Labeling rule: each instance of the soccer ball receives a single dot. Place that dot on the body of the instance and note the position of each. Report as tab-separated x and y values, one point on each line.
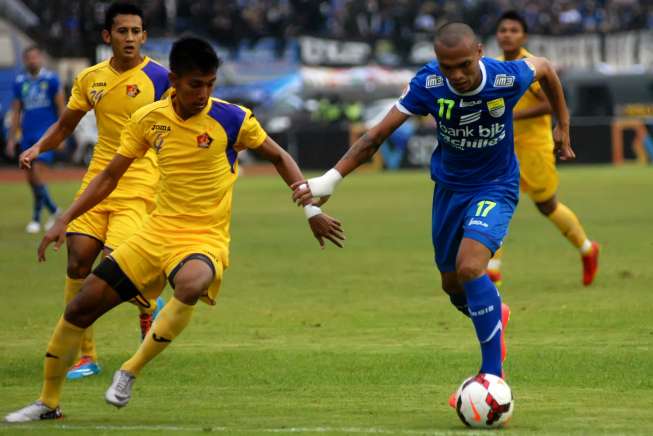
484	401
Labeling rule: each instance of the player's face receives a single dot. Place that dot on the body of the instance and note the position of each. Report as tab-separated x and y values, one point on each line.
459	64
193	90
33	61
126	36
510	35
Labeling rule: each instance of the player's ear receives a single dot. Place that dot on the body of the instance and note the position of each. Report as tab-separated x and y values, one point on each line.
172	78
143	36
106	36
479	50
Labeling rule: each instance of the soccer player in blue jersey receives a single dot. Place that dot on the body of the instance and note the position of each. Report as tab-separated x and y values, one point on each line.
38	100
474	166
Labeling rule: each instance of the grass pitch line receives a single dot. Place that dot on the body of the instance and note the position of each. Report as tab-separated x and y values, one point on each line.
209	429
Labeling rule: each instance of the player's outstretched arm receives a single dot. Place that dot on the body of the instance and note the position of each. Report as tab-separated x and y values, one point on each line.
100	187
359	153
323	226
550	82
55	135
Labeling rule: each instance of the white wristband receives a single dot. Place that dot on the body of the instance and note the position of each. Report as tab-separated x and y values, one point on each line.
325	184
310	211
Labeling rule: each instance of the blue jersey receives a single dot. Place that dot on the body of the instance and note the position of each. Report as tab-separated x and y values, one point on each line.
475	140
36	94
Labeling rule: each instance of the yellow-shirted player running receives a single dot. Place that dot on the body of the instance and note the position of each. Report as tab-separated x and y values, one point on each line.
114	89
186	238
534	148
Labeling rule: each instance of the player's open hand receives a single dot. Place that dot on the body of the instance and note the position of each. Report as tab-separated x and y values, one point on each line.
325	227
25	159
56	234
563	143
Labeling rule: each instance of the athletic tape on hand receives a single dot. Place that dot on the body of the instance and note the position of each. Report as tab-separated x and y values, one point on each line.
310	211
325	184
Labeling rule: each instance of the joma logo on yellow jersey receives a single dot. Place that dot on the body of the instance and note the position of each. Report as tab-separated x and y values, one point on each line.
161	128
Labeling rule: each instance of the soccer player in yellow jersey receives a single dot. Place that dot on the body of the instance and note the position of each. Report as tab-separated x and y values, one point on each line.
186	238
534	148
114	89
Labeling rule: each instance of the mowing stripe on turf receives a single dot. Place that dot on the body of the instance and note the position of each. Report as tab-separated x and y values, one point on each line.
209	429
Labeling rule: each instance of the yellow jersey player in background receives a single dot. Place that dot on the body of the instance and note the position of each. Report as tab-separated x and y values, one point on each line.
114	89
534	148
186	238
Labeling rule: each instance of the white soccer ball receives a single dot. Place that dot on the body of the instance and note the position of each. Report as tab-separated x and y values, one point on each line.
484	401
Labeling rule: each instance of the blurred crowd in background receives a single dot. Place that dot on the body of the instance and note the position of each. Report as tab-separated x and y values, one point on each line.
71	27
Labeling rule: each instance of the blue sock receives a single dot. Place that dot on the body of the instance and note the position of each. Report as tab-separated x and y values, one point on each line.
45	198
38	204
485	310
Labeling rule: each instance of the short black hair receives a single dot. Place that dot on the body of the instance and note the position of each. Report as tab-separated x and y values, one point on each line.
121	8
513	16
30	48
452	33
193	54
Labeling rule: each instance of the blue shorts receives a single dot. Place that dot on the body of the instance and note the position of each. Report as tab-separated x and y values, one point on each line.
482	215
47	157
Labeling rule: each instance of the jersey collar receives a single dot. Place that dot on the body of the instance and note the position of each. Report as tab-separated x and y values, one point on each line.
478	89
204	111
144	62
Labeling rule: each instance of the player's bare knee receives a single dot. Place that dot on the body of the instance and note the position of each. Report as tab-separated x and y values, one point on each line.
77	269
547	207
76	312
469	270
189	293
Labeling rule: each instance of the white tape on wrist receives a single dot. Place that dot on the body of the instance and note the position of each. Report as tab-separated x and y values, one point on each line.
325	184
310	211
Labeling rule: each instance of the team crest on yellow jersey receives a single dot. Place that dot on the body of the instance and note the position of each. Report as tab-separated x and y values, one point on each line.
132	90
204	140
497	107
158	142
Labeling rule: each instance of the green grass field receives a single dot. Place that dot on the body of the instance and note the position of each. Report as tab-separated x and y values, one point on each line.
361	340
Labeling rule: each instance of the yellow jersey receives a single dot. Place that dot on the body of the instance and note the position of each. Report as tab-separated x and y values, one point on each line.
197	162
114	97
535	132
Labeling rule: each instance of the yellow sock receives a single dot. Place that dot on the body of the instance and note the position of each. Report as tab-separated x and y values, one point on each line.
495	263
172	320
61	354
567	222
71	289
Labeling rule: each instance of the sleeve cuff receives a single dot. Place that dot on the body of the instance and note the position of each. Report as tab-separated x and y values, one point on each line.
401	108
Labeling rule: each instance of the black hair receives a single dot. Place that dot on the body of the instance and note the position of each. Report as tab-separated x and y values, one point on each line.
513	16
121	8
451	34
31	48
193	54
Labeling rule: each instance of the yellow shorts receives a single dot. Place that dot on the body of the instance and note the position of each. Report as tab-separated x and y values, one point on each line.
112	222
539	177
155	252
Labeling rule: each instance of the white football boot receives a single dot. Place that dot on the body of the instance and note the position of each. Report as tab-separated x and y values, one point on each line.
34	412
120	391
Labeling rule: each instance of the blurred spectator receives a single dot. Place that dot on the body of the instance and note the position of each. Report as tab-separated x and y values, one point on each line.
71	27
